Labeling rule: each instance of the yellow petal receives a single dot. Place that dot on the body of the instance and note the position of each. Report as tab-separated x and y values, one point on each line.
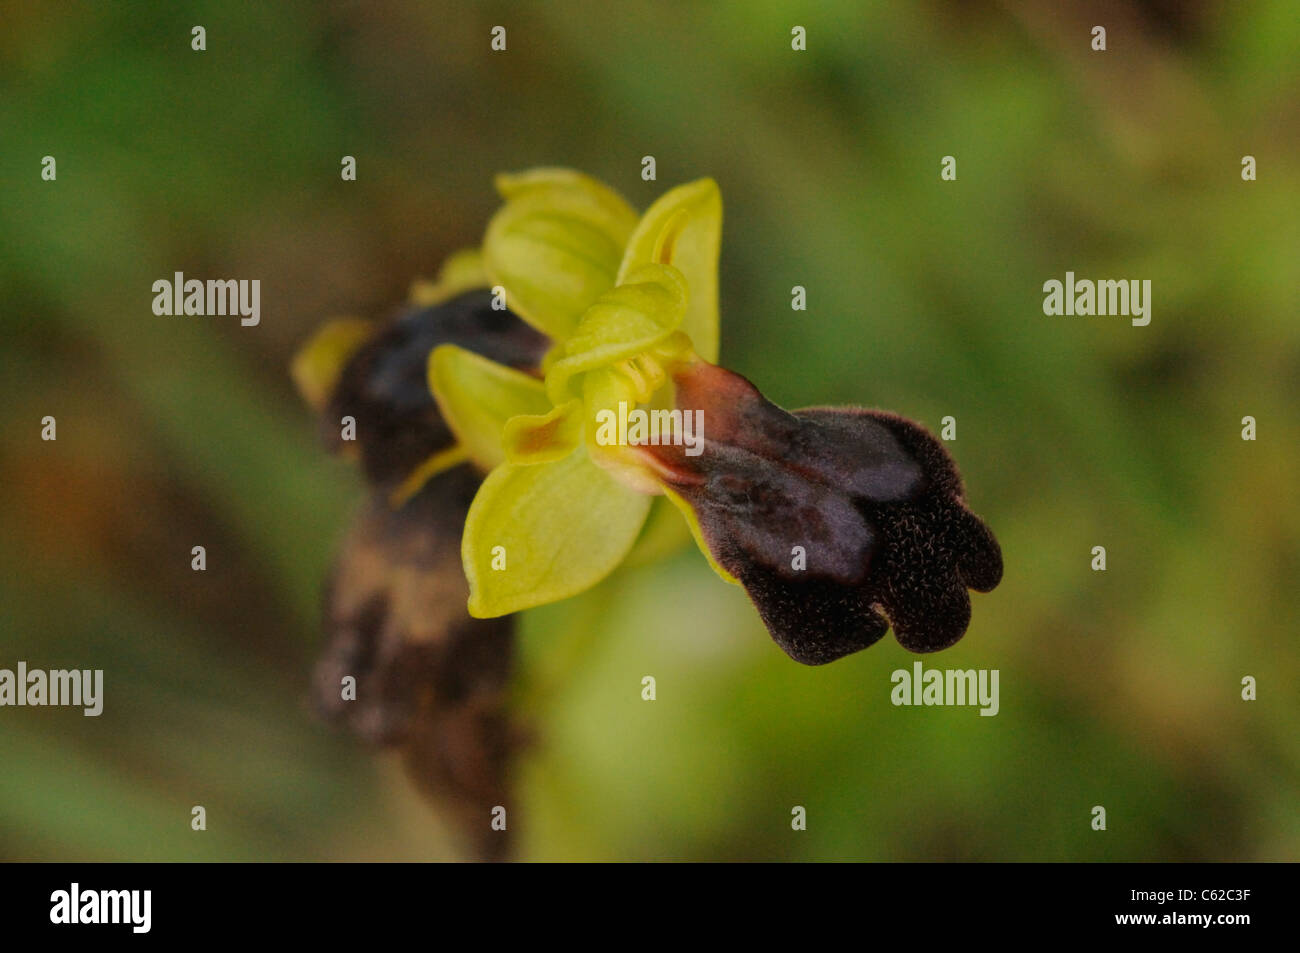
684	229
556	245
513	185
541	533
477	396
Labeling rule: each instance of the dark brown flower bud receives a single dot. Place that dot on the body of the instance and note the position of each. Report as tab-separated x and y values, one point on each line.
427	678
385	386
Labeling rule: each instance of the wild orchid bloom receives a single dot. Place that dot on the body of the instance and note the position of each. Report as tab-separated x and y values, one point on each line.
838	522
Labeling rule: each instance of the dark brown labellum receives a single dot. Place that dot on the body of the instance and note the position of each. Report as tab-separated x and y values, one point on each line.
838	522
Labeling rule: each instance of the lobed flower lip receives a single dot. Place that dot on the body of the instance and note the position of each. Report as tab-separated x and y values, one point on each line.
872	501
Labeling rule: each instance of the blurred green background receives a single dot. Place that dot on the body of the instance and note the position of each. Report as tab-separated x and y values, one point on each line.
1119	689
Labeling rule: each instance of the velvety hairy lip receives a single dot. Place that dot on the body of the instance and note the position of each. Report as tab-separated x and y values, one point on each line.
873	499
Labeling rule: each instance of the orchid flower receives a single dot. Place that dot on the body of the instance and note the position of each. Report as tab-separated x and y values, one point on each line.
837	522
480	417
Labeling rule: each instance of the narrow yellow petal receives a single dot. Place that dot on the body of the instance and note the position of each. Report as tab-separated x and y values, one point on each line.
684	229
437	463
540	438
